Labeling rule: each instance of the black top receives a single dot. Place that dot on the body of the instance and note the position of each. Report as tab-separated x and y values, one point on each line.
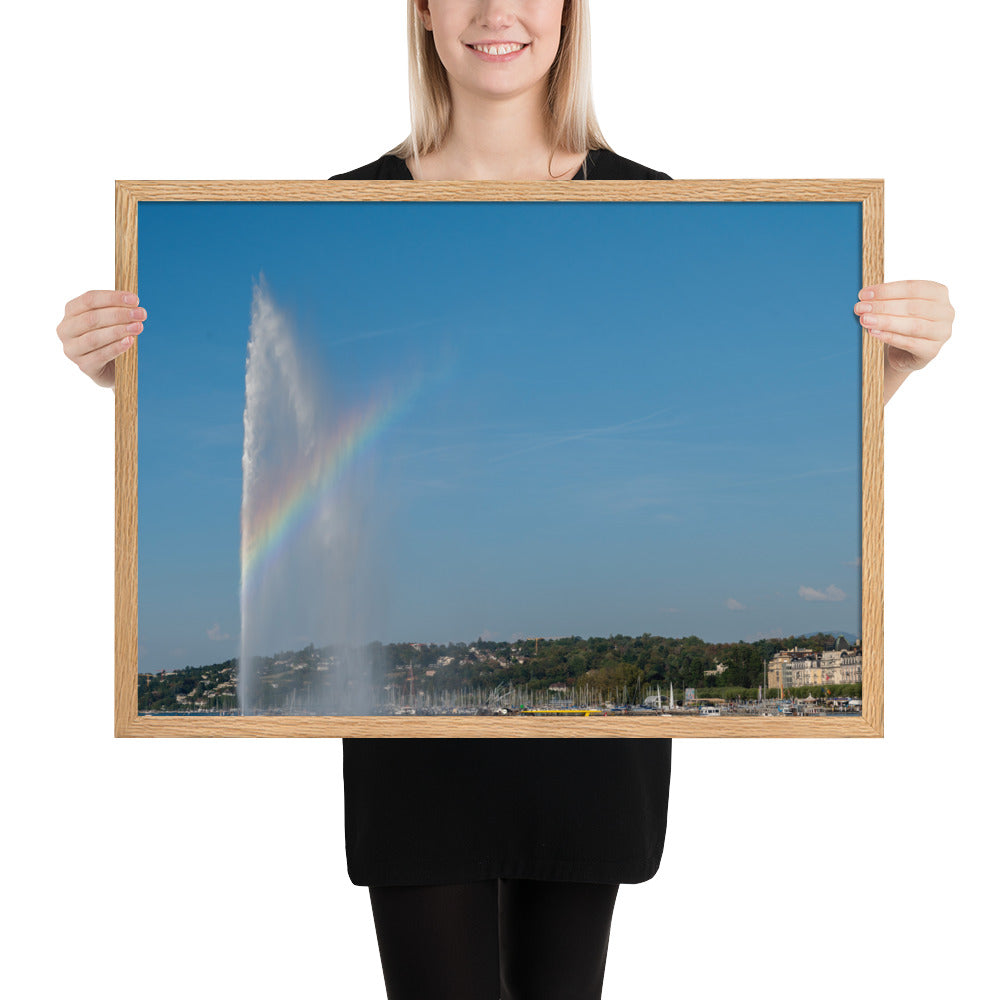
601	164
437	810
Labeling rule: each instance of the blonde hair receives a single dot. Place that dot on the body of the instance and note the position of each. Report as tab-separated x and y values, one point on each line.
571	124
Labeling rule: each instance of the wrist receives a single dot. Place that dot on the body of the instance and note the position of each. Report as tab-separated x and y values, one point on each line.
892	379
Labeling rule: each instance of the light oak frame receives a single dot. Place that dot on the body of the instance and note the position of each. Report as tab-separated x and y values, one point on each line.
128	195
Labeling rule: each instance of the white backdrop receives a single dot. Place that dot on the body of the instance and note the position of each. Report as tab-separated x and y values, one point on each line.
819	868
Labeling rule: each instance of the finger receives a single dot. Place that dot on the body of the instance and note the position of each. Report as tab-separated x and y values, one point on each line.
92	363
97	340
85	343
907	326
922	308
905	290
96	320
921	349
100	300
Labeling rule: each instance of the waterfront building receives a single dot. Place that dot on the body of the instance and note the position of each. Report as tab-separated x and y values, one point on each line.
804	667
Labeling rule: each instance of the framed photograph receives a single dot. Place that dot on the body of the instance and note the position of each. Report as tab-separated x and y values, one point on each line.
416	459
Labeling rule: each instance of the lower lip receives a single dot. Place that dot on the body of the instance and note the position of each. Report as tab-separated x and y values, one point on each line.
504	58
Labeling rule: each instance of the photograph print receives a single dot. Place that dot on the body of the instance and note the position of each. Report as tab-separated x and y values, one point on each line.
506	459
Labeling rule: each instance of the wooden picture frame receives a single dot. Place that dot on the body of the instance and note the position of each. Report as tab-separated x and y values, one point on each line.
865	195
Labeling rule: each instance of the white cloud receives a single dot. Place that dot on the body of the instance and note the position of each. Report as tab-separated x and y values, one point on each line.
216	634
735	605
856	561
831	593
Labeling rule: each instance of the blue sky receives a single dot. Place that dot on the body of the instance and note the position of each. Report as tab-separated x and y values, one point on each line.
629	417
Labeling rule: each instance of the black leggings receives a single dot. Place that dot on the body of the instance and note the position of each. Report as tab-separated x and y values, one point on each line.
514	939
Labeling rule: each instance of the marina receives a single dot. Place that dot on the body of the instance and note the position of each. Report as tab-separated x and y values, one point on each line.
528	679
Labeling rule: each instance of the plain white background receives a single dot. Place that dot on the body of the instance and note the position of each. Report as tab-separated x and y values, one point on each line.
816	868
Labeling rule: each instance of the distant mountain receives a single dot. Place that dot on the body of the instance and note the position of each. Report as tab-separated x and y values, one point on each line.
849	636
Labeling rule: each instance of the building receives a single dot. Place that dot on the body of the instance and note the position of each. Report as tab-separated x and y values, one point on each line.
841	666
803	667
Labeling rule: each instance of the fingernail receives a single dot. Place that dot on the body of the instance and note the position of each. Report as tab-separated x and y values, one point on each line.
863	307
868	320
867	293
127	342
130	299
134	327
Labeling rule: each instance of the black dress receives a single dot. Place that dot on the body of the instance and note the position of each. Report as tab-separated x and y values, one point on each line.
436	810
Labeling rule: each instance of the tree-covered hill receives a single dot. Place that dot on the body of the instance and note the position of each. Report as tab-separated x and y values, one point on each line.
600	663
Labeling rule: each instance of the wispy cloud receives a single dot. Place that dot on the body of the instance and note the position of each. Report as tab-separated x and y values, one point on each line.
387	331
856	561
735	605
580	435
831	593
216	634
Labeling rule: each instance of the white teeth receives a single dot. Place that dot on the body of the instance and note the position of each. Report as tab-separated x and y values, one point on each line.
497	50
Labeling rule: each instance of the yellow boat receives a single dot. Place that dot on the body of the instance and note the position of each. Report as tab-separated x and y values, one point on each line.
561	711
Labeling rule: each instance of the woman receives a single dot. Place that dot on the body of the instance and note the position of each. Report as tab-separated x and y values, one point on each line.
507	886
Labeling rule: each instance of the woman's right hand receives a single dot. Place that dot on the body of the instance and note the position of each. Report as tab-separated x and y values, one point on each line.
97	327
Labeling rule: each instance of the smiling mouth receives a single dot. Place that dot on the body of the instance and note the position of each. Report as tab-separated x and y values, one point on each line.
499	50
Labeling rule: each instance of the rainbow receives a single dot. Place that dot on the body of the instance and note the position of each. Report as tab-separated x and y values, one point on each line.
279	518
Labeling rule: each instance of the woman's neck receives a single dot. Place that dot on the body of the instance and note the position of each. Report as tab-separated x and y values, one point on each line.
502	140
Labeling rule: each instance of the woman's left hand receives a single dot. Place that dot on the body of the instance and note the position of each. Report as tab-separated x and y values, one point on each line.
912	318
